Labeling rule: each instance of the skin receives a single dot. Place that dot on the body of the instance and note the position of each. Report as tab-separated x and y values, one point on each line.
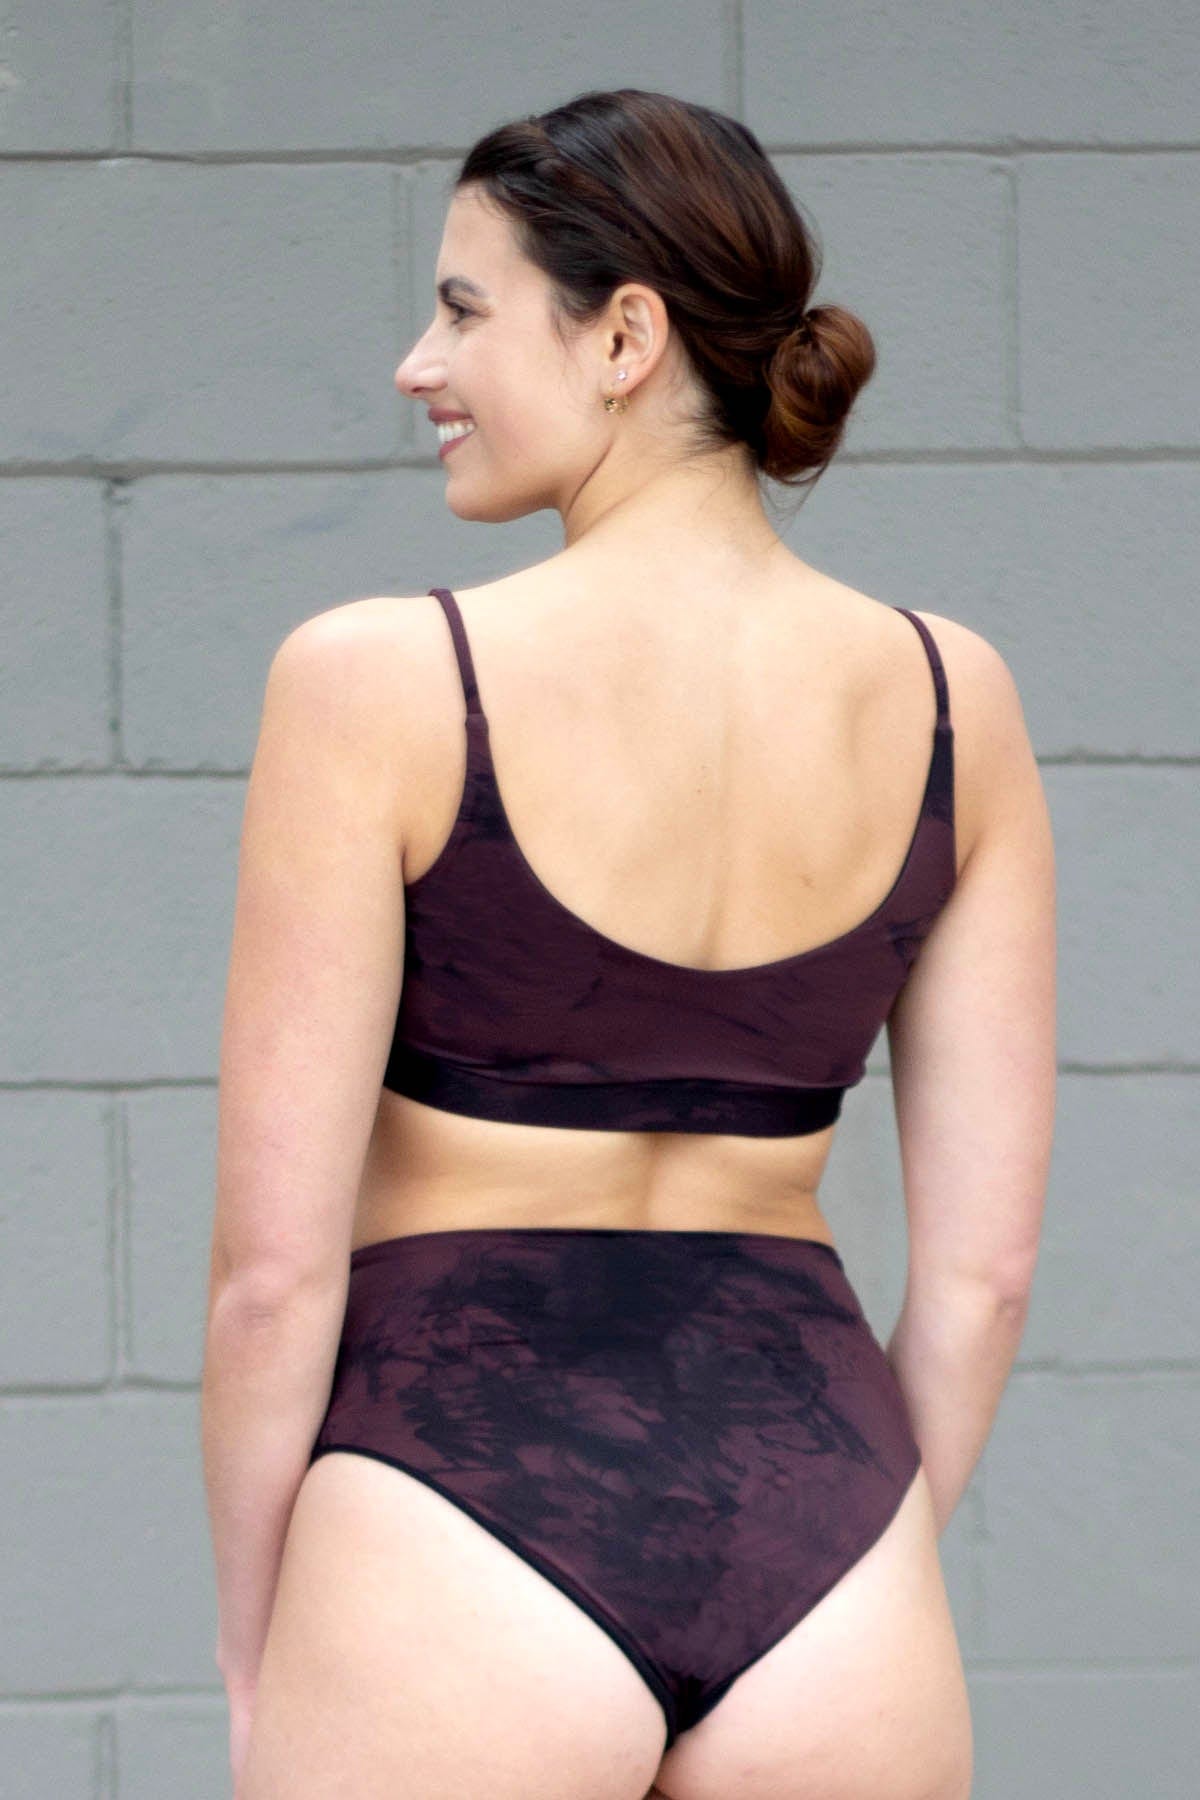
409	1652
545	440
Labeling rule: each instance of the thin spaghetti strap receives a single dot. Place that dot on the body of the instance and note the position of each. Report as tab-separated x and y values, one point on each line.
462	649
935	663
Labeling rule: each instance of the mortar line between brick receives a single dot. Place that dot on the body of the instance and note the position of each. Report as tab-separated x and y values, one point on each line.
1074	759
112	1244
425	153
122	1260
75	1700
734	57
1012	279
46	1084
112	497
104	1764
132	1384
948	458
123	74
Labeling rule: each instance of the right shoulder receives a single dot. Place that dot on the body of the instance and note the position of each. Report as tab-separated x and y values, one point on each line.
394	654
991	737
974	667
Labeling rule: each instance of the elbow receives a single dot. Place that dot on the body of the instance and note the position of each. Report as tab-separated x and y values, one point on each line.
1012	1279
259	1295
1002	1287
1009	1289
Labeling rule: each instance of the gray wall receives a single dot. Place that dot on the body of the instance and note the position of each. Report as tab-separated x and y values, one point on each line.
219	225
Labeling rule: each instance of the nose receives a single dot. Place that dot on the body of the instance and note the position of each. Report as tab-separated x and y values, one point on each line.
416	373
405	376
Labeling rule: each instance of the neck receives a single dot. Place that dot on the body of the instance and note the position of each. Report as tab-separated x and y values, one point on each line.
706	502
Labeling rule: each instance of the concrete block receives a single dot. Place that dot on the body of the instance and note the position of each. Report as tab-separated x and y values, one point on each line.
105	1563
971	72
60	86
224	313
54	625
1091	1490
918	248
56	1296
1128	876
1086	1734
172	1196
1109	298
188	1736
48	1752
293	74
1119	1267
118	926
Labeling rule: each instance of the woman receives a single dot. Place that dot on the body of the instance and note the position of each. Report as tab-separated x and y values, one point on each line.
549	1453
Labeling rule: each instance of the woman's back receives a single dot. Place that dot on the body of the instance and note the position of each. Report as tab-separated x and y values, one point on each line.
717	774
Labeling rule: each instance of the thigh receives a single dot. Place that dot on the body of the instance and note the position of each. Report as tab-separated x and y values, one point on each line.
413	1656
864	1699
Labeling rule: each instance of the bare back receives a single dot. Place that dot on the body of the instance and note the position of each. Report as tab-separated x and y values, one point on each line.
717	776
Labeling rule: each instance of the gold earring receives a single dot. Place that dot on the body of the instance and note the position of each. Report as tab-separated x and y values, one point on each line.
616	402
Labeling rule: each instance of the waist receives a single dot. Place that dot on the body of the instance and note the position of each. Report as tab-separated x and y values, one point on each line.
397	1210
430	1170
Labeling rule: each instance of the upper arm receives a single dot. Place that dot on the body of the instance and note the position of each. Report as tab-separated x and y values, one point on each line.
972	1033
316	961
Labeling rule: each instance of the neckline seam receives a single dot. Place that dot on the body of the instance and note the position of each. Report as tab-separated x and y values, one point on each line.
612	946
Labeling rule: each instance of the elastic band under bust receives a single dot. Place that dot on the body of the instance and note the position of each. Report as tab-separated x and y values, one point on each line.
686	1103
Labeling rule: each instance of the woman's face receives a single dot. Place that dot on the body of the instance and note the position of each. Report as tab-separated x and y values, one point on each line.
541	430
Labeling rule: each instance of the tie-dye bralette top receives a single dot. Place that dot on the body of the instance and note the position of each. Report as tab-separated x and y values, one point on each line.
513	1008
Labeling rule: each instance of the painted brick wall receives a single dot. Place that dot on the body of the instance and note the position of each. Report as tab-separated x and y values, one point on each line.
219	225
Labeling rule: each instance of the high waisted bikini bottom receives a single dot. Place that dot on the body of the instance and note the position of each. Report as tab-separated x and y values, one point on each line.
693	1434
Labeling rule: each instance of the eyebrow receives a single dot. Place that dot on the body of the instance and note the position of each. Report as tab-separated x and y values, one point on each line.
460	281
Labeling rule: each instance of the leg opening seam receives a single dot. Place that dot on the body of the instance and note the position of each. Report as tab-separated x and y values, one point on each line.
592	1608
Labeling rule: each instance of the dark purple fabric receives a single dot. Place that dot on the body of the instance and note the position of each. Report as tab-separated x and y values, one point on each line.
693	1434
513	1008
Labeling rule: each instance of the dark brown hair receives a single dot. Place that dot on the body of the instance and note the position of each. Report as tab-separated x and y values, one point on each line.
631	185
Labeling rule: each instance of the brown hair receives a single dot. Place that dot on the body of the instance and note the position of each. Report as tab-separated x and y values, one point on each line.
630	185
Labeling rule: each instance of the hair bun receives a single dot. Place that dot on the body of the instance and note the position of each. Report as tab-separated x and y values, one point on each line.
810	396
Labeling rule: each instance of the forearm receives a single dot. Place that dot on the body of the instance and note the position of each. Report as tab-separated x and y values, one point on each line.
952	1351
266	1383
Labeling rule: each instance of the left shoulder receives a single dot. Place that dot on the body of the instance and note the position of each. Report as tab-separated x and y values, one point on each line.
352	661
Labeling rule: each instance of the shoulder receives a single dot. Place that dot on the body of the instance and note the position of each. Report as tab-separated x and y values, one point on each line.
967	654
981	684
358	631
991	736
355	681
358	658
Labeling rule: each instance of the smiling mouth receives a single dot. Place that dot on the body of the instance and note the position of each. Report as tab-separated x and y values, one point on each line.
451	443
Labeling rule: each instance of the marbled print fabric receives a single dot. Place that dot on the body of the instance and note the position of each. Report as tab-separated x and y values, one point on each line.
692	1434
